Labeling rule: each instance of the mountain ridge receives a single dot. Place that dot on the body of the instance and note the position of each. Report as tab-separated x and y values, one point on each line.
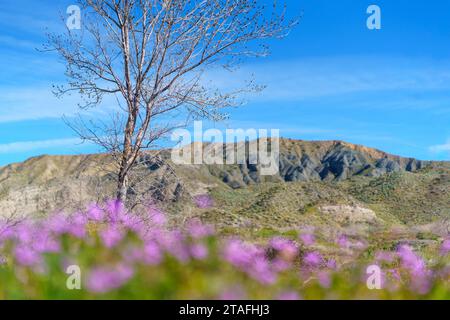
299	160
357	146
313	174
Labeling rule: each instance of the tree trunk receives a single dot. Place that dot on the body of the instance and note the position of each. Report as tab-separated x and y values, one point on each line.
122	181
122	187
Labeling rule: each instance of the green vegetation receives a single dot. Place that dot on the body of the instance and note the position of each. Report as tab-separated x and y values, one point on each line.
108	253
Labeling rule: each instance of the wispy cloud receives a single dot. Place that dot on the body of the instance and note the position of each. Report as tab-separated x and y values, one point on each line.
15	42
33	103
32	17
288	81
440	148
24	146
309	78
18	104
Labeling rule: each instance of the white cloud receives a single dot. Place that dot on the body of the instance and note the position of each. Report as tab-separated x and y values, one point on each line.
288	81
35	19
14	42
33	103
308	78
25	146
440	148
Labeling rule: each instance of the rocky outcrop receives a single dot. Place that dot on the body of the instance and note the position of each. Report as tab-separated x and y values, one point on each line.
323	160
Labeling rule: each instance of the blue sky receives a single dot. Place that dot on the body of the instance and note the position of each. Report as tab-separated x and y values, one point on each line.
332	78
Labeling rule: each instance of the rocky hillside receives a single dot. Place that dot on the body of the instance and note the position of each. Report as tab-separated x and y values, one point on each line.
320	161
319	182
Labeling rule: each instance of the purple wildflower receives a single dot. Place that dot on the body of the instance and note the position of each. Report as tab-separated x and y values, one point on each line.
284	245
132	222
58	224
260	270
235	293
111	236
198	230
174	243
250	259
343	242
114	209
24	233
445	247
102	280
198	251
313	259
79	218
410	260
308	239
289	295
416	266
77	230
280	265
44	243
324	278
26	256
238	253
157	217
204	201
152	253
6	232
95	213
287	251
331	264
77	225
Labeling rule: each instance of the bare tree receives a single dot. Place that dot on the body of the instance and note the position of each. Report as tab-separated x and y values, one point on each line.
152	56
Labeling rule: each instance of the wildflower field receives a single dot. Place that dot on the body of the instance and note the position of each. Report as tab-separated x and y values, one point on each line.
106	252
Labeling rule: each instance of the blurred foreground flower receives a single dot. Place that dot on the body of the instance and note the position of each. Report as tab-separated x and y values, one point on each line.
126	255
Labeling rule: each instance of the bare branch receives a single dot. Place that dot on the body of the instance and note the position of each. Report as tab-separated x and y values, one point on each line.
151	55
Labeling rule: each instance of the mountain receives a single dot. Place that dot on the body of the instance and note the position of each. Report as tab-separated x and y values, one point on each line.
323	183
321	161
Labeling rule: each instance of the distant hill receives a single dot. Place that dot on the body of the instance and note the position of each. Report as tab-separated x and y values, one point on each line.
322	161
319	182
